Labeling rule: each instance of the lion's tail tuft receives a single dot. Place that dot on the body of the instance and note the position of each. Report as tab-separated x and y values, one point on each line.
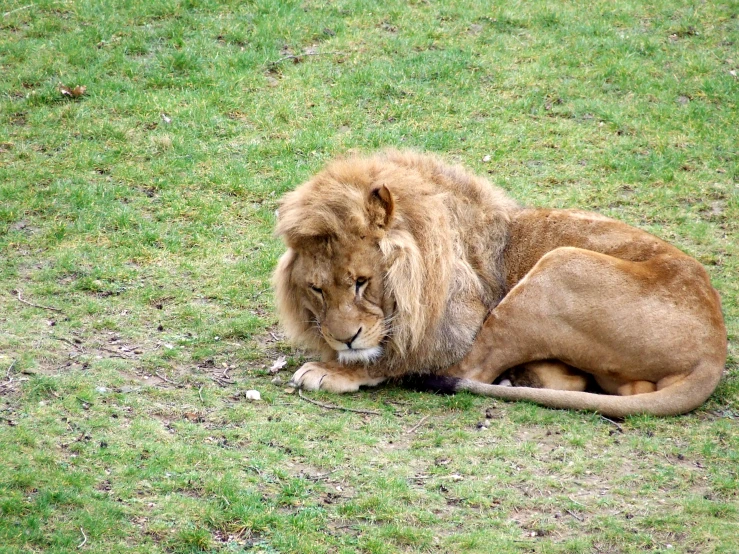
438	384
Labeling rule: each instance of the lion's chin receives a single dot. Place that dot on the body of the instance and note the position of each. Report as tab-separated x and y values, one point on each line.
359	355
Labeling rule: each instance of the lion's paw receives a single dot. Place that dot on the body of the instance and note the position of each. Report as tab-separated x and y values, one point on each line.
316	376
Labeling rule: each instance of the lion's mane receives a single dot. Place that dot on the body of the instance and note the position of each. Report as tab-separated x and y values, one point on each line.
442	249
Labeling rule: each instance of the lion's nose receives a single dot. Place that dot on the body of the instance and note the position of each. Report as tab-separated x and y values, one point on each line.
351	340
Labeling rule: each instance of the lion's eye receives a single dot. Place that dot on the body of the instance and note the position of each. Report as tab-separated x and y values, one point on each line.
316	289
361	281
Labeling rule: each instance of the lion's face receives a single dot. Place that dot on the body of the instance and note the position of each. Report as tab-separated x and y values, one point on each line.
341	286
364	281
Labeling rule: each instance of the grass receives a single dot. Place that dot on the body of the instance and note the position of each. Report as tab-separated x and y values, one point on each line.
143	212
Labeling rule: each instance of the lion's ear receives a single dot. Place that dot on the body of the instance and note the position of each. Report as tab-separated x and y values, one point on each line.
383	199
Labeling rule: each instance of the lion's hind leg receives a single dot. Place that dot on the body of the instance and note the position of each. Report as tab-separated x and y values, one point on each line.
547	374
624	387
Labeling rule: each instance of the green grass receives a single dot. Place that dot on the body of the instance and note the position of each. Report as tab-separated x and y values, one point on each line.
143	211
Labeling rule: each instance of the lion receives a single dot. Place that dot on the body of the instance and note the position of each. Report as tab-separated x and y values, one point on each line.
398	265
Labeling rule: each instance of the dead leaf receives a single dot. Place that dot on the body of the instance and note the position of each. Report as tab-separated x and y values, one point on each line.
278	364
75	92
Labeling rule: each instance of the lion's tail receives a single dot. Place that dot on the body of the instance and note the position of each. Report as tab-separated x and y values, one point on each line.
680	397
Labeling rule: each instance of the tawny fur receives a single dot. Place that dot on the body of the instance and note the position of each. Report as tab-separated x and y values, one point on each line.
395	260
441	252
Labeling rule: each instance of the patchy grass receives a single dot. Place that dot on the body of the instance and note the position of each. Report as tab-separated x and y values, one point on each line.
142	212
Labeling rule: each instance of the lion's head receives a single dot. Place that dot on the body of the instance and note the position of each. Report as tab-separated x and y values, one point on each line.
372	262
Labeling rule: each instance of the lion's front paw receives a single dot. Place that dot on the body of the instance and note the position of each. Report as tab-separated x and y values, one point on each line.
317	376
309	376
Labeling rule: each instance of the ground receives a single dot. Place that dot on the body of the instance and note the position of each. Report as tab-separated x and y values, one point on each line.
136	248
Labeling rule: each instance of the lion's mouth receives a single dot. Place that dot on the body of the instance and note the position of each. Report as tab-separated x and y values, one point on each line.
360	355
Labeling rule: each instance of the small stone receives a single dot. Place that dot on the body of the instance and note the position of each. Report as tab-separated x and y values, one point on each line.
486	158
253	395
290	390
277	380
101	390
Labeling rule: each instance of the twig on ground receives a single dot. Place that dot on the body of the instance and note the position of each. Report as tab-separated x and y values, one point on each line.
576	502
573	514
6	14
222	382
115	353
8	378
620	429
333	407
297	57
417	425
164	378
320	476
69	342
20	299
84	539
347	526
10	368
261	292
